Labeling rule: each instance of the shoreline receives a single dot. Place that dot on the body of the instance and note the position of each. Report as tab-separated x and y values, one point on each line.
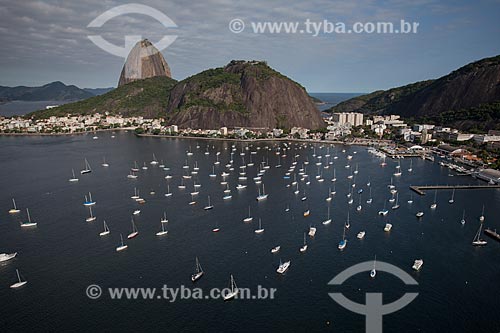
73	133
367	143
358	143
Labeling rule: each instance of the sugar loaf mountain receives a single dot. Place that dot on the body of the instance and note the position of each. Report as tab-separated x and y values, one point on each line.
241	94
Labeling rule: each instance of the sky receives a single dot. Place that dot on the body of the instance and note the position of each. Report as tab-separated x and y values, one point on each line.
47	40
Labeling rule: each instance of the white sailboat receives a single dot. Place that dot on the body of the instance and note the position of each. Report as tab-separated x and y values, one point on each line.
262	196
209	206
168	194
396	205
19	282
7	256
106	230
370	199
434	204
260	229
14	210
234	290
249	218
122	246
104	163
328	219
304	246
91	218
481	218
73	178
373	272
86	169
477	241
410	169
452	199
198	272
164	218
275	249
162	231
134	232
29	223
463	218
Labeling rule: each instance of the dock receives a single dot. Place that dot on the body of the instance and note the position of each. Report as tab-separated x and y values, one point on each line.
493	234
420	189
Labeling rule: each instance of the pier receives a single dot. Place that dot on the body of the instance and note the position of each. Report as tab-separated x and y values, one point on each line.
420	189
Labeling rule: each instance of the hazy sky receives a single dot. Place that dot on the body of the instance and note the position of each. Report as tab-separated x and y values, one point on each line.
44	41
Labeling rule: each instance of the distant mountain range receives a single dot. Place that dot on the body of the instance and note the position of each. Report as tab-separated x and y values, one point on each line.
55	91
467	98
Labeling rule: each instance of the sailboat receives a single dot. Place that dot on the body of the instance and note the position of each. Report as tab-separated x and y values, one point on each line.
283	267
370	200
106	230
73	178
343	242
334	179
260	230
162	231
135	168
263	195
275	249
86	169
347	225
192	202
328	220
396	205
14	210
463	218
373	272
19	282
164	218
154	161
398	170
410	169
122	246
91	218
198	272
234	290
209	206
29	223
411	199
249	218
304	246
359	204
134	232
216	229
168	194
481	218
477	239
213	175
7	256
104	164
452	200
88	201
434	204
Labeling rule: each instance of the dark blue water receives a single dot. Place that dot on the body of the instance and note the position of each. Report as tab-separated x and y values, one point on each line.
332	99
458	284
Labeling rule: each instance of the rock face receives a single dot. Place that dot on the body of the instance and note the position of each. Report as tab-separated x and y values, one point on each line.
467	87
242	94
474	84
144	61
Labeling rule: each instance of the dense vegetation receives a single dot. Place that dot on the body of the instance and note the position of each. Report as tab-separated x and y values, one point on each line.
148	98
378	101
473	120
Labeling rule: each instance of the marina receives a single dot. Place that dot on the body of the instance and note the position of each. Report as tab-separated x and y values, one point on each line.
227	238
